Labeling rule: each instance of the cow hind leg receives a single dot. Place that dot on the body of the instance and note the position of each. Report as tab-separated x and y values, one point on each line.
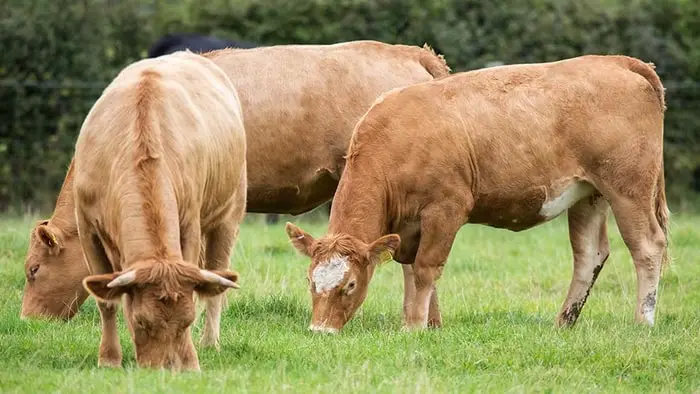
646	241
589	243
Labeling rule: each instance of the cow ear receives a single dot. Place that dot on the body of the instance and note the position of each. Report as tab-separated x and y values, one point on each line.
383	249
48	237
215	282
301	240
103	287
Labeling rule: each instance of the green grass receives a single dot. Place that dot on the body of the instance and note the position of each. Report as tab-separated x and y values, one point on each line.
500	293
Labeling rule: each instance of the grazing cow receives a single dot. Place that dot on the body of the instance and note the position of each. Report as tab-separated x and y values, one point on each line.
171	43
509	147
298	120
197	43
159	165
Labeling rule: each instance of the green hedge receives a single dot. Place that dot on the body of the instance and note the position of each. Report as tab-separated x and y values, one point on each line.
89	42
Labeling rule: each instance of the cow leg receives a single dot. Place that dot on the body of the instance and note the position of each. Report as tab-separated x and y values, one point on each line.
110	354
191	241
220	242
646	242
434	318
588	233
439	226
110	349
409	291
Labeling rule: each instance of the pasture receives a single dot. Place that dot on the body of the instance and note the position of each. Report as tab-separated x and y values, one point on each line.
499	295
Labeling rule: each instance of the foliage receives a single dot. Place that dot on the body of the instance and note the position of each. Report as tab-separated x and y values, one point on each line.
92	40
57	58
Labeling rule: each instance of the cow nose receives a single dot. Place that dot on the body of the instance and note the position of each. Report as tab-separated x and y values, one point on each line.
323	329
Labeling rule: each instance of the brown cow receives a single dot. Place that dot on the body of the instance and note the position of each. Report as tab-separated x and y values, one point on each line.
159	164
298	118
509	147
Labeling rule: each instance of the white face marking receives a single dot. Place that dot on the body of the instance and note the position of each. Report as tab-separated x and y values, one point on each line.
328	275
570	196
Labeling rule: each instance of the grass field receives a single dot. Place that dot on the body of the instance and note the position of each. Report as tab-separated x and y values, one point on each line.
500	293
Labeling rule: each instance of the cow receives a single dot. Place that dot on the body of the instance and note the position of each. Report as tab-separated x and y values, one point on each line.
298	120
196	43
509	147
159	165
171	43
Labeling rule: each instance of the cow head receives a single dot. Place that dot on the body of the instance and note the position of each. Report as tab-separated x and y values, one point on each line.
339	274
159	298
54	268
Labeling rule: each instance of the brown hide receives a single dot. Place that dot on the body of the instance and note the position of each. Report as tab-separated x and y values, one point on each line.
160	164
510	147
300	104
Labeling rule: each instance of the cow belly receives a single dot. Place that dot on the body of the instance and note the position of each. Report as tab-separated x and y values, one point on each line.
293	200
526	209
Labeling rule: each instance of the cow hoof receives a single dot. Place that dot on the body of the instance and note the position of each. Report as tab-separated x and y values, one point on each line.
434	323
109	363
414	327
209	343
566	321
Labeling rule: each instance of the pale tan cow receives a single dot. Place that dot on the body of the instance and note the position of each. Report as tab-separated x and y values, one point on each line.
300	104
159	164
509	147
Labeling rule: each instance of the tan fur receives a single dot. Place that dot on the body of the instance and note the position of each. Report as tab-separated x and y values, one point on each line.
160	165
300	104
510	147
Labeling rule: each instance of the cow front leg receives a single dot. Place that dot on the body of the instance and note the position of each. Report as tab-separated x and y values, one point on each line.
110	353
219	246
409	295
439	226
110	349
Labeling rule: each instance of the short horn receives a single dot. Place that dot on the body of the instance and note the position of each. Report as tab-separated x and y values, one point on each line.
123	279
214	278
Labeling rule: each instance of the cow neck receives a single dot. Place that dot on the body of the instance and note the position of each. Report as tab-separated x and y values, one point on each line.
150	231
63	216
359	206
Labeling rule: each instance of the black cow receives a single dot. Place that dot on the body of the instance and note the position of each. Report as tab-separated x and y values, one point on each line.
170	43
198	43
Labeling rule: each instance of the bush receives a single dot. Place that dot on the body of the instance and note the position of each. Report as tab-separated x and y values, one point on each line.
92	40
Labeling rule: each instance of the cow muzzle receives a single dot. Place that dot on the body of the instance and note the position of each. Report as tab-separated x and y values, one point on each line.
323	329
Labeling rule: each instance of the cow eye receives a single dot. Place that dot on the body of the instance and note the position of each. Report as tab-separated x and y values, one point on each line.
350	287
33	270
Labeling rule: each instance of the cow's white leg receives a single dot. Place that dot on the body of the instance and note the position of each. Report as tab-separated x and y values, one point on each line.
646	242
439	226
589	243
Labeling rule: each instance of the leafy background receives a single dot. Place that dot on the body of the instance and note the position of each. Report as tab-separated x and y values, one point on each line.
57	55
